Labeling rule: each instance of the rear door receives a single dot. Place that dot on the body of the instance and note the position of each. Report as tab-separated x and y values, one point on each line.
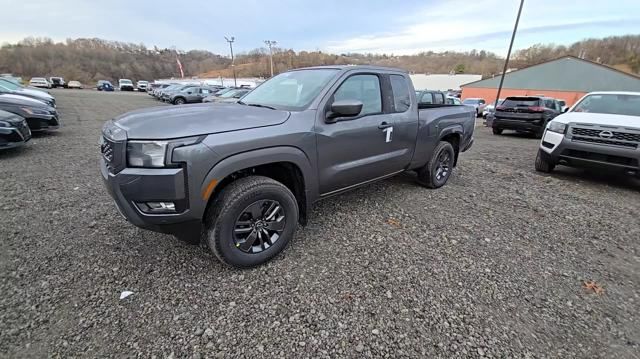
521	109
365	147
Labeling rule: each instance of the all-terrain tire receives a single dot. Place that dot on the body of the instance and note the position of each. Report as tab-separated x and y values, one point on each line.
543	164
428	175
229	205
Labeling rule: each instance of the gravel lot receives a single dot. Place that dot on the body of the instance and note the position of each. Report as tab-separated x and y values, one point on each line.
493	264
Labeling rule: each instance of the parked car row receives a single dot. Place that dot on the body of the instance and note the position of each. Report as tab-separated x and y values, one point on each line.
24	110
179	94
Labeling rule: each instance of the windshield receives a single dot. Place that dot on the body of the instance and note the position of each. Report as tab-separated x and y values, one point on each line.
291	90
38	79
470	101
9	85
615	104
125	81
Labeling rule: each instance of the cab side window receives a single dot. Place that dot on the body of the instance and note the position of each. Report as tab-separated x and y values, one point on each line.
438	99
364	88
401	97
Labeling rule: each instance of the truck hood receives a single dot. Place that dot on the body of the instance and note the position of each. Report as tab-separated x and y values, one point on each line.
193	120
599	119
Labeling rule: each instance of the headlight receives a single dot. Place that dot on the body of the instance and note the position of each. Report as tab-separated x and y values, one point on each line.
156	153
5	124
556	126
146	153
34	111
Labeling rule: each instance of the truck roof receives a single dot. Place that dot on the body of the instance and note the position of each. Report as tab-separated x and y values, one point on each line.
354	67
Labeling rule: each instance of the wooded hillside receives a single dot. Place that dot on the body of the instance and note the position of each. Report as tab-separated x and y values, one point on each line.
89	60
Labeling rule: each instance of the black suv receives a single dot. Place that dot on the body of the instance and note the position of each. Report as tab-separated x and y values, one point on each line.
525	114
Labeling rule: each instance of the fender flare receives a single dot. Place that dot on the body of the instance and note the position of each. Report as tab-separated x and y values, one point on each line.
457	129
263	156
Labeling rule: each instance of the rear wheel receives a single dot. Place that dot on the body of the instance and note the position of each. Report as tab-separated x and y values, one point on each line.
438	170
251	221
497	131
543	164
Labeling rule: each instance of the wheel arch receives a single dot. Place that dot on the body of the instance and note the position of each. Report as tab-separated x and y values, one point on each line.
287	165
453	135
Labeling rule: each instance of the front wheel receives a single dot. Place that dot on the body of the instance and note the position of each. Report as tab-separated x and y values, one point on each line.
438	170
251	221
543	164
179	101
497	131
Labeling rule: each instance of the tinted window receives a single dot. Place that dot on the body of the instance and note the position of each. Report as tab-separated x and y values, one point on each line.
438	98
550	104
365	88
427	98
521	101
400	88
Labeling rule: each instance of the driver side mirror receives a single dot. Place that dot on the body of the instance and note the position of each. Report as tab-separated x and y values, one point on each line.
344	108
566	109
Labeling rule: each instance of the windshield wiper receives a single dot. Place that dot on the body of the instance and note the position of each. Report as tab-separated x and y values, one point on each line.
256	105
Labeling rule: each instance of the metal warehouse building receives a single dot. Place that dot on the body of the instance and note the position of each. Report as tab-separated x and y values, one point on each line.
567	78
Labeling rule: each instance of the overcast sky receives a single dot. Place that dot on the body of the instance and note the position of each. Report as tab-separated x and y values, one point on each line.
379	26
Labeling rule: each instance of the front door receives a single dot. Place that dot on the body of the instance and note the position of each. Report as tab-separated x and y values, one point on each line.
354	150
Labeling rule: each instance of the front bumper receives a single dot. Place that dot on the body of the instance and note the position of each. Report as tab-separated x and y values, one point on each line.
132	187
565	150
11	137
516	125
43	122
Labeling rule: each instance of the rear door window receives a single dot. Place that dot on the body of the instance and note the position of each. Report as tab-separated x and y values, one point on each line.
401	94
438	98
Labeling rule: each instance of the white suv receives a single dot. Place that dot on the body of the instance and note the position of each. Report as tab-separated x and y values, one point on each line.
601	130
125	85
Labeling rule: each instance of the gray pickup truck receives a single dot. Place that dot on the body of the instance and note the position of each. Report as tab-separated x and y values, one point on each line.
241	176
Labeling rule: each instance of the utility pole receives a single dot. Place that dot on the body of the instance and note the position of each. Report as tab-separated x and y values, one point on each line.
230	40
271	44
506	62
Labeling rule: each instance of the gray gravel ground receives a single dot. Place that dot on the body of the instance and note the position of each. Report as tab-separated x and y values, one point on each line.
491	265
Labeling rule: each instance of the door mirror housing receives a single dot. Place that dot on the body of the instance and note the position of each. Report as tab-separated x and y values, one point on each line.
344	108
566	109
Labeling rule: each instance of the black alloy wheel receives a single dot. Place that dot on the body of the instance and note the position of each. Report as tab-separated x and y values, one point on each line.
443	165
259	226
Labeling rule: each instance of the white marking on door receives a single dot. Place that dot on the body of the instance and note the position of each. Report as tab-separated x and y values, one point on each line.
389	131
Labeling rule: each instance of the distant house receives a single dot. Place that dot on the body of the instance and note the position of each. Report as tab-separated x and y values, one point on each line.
442	82
567	78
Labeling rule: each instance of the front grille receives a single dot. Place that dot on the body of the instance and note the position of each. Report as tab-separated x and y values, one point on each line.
113	153
613	138
605	142
107	150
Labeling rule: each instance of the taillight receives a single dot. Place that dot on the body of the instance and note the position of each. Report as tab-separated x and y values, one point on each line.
536	109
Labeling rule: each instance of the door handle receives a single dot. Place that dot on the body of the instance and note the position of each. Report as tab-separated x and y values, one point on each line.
384	125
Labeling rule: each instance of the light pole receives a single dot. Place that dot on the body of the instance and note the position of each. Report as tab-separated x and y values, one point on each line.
271	44
230	40
506	62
